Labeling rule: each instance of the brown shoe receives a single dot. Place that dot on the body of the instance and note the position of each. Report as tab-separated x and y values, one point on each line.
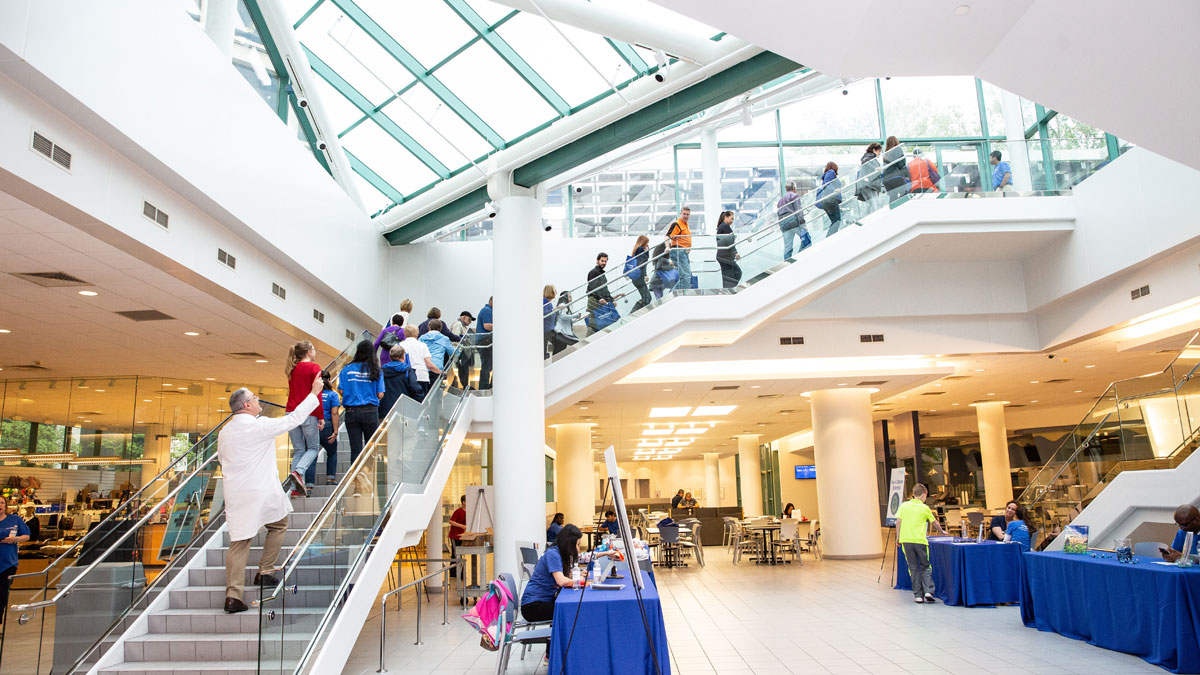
233	606
268	579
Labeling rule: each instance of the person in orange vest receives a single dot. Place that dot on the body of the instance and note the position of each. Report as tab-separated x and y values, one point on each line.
681	244
922	173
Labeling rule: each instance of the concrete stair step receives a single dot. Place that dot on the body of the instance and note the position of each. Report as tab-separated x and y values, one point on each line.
316	555
193	667
196	621
292	536
303	575
214	647
213	597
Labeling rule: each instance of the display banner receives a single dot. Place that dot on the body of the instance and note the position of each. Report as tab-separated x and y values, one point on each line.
895	495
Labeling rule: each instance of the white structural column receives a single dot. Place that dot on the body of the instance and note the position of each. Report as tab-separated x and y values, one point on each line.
574	470
847	494
993	446
433	545
712	479
220	20
1018	149
710	169
750	468
518	392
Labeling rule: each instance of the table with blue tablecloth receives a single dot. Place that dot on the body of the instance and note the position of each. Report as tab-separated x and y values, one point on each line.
968	573
609	636
1149	609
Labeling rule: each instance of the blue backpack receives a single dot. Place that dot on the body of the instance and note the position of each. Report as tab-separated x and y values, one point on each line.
632	270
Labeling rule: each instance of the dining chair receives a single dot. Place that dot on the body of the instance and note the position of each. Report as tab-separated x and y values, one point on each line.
668	549
1149	548
789	534
693	543
523	633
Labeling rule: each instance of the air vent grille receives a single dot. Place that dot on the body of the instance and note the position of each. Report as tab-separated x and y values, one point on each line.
933	393
242	356
1139	292
48	149
279	291
51	279
1056	381
26	367
350	334
797	340
319	316
227	259
145	315
154	215
769	396
871	383
726	387
956	377
870	338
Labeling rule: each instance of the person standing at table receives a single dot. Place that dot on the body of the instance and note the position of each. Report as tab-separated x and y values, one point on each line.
1018	528
788	510
15	531
1187	517
676	499
911	525
999	525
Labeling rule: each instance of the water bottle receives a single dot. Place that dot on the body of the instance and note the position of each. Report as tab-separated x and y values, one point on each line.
575	578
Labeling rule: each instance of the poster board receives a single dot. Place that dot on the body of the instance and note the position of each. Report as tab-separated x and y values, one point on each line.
895	495
480	507
184	516
610	463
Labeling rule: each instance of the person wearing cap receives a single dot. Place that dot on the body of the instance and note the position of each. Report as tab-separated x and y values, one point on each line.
790	218
462	328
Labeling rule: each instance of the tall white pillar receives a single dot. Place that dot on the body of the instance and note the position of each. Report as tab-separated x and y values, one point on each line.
710	169
750	468
518	392
220	21
712	479
433	545
1018	148
575	472
993	446
847	494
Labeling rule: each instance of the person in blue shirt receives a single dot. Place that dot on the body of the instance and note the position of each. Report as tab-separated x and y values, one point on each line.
438	344
483	341
331	405
552	572
610	523
1187	517
1018	529
556	526
360	386
399	379
1002	174
13	531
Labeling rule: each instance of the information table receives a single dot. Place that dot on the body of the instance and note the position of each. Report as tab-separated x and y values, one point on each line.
1149	609
969	574
609	636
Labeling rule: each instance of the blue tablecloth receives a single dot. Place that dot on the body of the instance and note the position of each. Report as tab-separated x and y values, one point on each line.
970	574
903	583
1150	610
609	635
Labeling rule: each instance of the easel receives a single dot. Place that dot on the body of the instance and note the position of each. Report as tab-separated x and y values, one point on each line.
887	540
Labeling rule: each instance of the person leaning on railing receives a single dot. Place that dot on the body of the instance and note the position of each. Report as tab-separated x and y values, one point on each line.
253	497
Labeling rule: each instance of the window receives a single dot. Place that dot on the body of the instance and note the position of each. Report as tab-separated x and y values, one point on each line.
549	479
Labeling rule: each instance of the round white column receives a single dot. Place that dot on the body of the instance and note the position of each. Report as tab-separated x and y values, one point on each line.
574	472
433	545
518	394
750	467
993	446
712	479
847	494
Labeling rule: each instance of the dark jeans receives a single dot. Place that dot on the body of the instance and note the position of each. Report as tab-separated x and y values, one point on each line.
6	581
547	343
643	292
834	210
485	361
361	421
731	273
538	611
329	443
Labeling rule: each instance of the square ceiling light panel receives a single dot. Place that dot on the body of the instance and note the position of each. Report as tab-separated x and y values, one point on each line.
713	410
670	412
657	432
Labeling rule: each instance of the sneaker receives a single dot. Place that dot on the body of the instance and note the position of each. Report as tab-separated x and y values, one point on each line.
918	599
298	483
929	597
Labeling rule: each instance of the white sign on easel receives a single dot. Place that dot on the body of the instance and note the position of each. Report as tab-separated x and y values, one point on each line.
479	508
895	495
614	479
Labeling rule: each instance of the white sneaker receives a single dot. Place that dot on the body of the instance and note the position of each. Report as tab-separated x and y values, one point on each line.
929	597
918	599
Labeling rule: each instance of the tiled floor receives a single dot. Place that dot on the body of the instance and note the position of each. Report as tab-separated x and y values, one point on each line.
824	617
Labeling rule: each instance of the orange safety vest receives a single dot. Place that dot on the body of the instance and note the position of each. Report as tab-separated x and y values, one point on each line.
680	234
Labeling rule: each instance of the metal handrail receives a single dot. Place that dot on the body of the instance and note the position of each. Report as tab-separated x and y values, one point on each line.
456	563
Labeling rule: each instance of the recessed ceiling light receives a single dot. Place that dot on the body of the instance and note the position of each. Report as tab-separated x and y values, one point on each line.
583	407
168	384
1034	381
191	333
89	294
979	370
666	390
962	10
681	411
100	391
953	404
147	400
937	384
1089	366
656	432
260	360
211	379
1078	391
5	330
1033	401
991	393
756	386
903	397
709	410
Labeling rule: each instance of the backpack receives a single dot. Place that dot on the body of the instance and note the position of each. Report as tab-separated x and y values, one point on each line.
632	270
391	338
489	616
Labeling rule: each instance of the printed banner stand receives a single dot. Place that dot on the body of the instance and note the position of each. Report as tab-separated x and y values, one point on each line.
184	517
895	495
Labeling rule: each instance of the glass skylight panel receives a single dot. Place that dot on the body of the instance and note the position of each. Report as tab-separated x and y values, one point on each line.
929	107
325	33
834	115
373	200
386	157
446	122
427	29
490	11
553	58
342	113
495	91
293	9
424	134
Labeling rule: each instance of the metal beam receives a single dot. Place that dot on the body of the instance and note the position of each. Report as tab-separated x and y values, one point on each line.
630	55
374	179
410	63
510	56
363	104
724	85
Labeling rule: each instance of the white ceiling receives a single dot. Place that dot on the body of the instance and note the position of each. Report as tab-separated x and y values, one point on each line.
1127	68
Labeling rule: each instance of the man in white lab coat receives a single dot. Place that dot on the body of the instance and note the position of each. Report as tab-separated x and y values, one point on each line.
254	497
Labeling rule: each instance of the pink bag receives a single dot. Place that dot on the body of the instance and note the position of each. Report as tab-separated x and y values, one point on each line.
489	616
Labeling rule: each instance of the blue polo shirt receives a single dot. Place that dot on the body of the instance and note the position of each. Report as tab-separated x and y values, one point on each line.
541	586
357	387
613	527
998	175
552	532
485	316
1176	545
329	401
1019	532
8	552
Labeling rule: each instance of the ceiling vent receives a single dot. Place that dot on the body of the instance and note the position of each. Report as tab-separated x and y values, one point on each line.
226	259
584	402
1139	292
146	315
791	340
51	151
245	355
933	393
769	396
871	383
27	367
870	338
278	291
957	377
155	216
350	334
726	387
1016	405
51	279
1057	381
319	316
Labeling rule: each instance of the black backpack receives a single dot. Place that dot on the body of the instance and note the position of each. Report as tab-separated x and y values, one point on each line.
391	339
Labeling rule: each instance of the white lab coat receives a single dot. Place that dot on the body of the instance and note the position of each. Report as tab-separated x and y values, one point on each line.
246	449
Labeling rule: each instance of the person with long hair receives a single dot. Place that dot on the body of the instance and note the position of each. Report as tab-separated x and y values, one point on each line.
922	173
556	526
895	169
1019	530
787	511
564	323
999	524
641	261
302	370
360	385
552	572
727	255
829	197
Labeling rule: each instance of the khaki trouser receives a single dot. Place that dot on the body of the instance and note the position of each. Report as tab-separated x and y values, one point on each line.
235	558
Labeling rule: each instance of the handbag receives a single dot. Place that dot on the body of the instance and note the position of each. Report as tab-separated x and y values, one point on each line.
632	269
604	316
805	239
668	277
391	338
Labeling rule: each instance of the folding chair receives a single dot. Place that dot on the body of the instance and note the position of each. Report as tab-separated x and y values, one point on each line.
524	633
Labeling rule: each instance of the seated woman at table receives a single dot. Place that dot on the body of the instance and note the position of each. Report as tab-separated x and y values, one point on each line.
688	502
999	524
1187	517
552	572
556	525
1018	530
788	511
